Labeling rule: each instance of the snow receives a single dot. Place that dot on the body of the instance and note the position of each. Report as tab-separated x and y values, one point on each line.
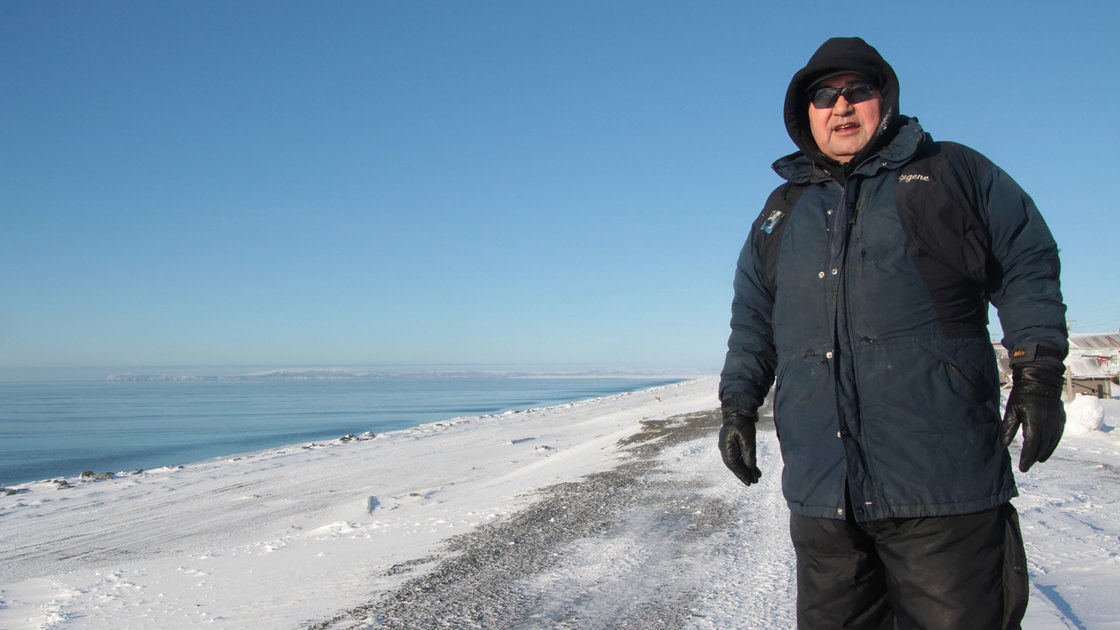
1084	415
301	535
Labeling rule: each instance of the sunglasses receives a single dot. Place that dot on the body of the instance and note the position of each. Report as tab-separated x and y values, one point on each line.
826	97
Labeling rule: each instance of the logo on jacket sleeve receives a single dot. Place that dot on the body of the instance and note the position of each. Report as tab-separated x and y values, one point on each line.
912	177
771	221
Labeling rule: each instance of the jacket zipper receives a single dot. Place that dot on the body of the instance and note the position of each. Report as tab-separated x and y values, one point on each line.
853	217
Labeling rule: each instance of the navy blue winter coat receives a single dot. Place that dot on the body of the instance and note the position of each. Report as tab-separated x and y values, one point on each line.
864	301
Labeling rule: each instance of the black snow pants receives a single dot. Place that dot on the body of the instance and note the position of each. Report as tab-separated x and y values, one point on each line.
954	572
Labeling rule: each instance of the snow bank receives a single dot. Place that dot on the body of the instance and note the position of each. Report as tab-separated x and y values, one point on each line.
1084	414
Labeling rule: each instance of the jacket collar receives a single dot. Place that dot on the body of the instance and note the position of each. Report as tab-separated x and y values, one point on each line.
799	168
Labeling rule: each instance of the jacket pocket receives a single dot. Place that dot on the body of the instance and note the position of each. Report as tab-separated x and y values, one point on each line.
777	390
969	374
801	394
967	388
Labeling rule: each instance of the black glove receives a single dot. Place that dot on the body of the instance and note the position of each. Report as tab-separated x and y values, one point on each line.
736	445
1036	403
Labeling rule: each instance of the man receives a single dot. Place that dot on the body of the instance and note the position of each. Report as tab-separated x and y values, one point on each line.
862	294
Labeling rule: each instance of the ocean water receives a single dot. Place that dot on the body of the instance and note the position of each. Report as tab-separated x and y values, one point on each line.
60	429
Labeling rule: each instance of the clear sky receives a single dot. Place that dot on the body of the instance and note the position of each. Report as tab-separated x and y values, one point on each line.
521	182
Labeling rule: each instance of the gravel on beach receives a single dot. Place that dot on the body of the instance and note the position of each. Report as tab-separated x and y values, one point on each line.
518	573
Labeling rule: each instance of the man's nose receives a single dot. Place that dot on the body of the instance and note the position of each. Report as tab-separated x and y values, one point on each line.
842	106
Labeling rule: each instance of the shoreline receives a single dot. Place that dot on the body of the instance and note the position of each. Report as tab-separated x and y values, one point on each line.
74	475
299	532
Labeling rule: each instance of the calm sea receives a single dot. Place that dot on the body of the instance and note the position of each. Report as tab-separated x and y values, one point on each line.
55	429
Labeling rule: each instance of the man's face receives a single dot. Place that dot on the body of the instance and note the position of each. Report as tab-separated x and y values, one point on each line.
841	131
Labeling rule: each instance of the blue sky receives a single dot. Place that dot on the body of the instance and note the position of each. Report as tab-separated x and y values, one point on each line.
545	183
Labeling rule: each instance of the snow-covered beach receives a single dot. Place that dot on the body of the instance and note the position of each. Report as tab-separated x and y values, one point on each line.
612	512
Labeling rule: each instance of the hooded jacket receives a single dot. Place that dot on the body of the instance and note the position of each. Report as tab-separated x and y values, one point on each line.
862	295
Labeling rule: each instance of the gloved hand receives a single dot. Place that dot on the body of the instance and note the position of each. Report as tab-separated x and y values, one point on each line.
737	445
1035	403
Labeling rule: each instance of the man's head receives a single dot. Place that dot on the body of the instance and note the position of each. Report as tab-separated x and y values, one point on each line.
835	127
843	115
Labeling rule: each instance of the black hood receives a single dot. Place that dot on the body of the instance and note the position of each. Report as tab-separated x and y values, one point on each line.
841	54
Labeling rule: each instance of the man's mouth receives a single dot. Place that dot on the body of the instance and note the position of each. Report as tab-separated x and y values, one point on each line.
846	127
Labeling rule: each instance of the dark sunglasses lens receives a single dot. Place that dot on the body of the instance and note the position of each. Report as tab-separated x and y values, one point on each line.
825	97
859	93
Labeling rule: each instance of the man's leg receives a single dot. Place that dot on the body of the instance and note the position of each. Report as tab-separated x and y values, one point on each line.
840	579
954	572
